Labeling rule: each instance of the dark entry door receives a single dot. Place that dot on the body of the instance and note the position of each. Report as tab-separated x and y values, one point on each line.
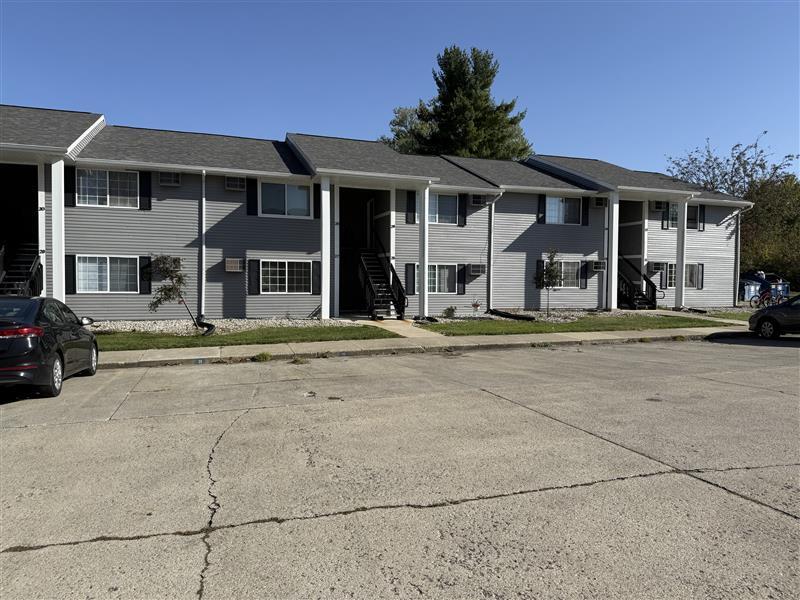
353	236
19	221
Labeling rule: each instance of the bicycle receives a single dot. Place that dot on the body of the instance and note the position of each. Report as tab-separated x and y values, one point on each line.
765	299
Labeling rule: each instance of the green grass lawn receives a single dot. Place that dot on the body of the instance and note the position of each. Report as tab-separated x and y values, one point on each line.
587	323
264	335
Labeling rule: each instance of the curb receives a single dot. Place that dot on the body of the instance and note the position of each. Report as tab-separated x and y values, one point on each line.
438	349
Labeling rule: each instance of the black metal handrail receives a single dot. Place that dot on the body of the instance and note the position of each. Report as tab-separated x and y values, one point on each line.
2	262
625	290
650	290
399	296
366	284
34	284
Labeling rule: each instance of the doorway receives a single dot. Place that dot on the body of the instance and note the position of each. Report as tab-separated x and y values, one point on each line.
19	214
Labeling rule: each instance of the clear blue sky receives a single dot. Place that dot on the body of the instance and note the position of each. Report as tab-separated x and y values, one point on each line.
626	82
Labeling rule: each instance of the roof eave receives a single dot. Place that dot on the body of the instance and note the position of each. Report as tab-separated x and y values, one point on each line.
526	189
376	175
211	170
567	173
32	148
465	189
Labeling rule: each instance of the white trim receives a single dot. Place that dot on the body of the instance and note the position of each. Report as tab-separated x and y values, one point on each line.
92	131
423	207
336	250
32	148
108	258
369	174
680	261
57	230
325	246
458	207
41	211
108	189
217	171
524	189
613	250
310	187
682	193
202	307
465	190
437	265
286	261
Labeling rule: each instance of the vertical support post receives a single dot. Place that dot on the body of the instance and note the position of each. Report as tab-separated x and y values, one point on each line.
490	258
42	214
57	218
680	262
325	248
423	202
336	250
645	216
612	257
202	304
392	225
738	258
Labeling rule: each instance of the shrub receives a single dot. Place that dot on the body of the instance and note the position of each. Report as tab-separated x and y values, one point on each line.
449	312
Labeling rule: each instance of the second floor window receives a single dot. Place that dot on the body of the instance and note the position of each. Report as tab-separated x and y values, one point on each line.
285	200
563	211
443	209
118	189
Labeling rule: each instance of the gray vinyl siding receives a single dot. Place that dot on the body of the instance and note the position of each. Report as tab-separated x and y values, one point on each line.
447	244
519	242
715	248
171	227
232	233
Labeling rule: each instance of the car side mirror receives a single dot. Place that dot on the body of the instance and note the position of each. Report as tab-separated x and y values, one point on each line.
87	321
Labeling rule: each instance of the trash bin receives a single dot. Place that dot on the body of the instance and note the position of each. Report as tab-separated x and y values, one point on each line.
781	288
751	290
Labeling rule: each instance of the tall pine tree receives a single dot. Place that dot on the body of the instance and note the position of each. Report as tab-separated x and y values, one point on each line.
463	119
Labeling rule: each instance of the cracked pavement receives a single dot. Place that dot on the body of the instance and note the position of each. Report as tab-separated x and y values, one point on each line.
656	470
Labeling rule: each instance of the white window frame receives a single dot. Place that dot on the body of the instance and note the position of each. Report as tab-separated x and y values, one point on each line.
108	190
171	174
235	189
437	265
560	264
286	262
563	199
284	215
672	270
686	285
108	258
431	213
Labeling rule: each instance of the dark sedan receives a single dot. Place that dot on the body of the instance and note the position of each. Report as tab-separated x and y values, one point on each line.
42	342
772	321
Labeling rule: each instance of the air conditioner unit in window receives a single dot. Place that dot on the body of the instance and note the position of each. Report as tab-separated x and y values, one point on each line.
477	269
600	202
599	265
234	265
478	200
659	205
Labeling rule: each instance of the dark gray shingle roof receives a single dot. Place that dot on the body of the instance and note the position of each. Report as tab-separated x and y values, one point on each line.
223	152
42	126
620	176
510	173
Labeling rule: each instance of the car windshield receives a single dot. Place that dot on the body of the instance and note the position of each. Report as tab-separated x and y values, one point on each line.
16	309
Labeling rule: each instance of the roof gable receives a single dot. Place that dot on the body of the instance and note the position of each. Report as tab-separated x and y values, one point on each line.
43	127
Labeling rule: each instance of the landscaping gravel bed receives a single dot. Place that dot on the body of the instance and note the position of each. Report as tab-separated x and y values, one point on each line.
184	327
556	315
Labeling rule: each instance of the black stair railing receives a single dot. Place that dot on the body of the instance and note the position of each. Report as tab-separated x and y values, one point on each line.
35	283
399	297
2	262
650	293
625	291
366	285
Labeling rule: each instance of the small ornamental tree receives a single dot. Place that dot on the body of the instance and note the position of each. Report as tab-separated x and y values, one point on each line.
174	283
549	276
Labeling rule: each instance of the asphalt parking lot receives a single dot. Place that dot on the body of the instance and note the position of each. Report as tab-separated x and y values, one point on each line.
661	470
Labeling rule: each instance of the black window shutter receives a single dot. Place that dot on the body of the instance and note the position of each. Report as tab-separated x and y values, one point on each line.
69	268
411	286
539	271
411	207
584	274
700	272
541	214
317	200
665	218
316	277
69	186
461	280
145	275
701	217
463	201
252	197
585	211
145	191
253	277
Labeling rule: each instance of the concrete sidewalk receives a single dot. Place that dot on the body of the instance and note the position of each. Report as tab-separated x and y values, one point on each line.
217	354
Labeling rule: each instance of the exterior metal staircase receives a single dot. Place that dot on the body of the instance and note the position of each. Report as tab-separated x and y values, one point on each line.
383	292
635	290
21	272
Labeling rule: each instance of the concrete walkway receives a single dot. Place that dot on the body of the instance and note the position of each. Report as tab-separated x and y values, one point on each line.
672	313
427	343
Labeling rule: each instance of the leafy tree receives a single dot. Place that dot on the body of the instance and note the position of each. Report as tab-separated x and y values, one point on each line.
549	277
771	229
169	269
463	119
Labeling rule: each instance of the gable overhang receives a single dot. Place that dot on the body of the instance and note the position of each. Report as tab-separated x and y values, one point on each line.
480	191
209	170
83	139
9	147
524	189
577	177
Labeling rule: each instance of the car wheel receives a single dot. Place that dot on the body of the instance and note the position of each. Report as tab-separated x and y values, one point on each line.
768	329
92	362
56	378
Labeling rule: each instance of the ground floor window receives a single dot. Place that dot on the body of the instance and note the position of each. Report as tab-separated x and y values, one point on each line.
691	277
570	274
285	277
441	279
116	274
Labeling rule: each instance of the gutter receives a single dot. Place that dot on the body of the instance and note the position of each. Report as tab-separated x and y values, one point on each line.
185	168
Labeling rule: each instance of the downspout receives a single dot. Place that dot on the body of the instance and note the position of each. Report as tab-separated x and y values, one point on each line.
202	315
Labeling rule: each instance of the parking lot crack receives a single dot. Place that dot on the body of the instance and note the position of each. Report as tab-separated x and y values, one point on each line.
214	505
